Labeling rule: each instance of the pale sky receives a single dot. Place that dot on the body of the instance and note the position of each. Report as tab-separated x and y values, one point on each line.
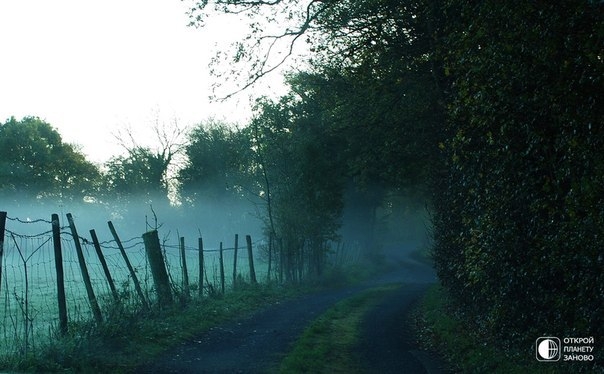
90	68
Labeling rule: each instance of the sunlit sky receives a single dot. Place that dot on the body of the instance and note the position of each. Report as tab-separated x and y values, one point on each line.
90	68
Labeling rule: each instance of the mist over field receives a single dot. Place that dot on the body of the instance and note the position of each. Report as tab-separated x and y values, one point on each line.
215	221
215	224
389	236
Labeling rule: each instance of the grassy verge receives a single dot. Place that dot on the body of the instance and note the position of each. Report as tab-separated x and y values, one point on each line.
129	339
440	331
326	346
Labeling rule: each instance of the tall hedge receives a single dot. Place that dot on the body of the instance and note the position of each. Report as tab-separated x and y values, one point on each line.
519	219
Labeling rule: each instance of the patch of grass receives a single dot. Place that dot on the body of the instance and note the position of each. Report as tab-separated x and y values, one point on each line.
438	329
342	276
326	346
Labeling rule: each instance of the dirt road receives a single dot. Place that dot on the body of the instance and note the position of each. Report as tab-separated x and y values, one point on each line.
258	342
387	344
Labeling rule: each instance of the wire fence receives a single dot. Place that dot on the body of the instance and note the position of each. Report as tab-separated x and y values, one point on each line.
29	280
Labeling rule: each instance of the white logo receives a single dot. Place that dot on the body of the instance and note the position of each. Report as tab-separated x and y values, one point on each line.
548	349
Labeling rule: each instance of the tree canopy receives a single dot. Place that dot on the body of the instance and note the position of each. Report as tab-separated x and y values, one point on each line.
141	173
217	158
36	163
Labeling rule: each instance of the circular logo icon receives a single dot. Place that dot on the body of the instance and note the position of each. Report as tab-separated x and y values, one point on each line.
548	349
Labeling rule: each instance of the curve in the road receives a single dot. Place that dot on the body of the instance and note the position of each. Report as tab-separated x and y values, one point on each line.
256	343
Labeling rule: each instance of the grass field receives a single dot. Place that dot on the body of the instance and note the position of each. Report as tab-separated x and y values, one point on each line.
28	292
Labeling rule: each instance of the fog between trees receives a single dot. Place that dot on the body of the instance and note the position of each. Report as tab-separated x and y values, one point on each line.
217	181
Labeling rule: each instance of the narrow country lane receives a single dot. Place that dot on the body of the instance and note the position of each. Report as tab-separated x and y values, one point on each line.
257	343
249	345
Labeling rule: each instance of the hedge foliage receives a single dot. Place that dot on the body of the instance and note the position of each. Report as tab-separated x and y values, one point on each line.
519	218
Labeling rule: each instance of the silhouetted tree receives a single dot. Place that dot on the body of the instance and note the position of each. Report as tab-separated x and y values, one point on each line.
36	164
145	176
217	158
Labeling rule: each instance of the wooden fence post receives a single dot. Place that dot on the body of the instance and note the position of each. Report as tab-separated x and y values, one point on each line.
99	253
185	273
250	257
137	285
221	269
201	266
281	260
94	306
56	240
270	256
2	229
158	268
235	261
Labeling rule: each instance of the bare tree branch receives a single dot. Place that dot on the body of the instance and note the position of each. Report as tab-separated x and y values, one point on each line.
261	49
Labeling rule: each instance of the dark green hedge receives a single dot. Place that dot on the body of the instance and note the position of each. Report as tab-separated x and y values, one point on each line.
519	217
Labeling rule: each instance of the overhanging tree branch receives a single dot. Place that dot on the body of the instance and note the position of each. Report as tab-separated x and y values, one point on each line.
259	49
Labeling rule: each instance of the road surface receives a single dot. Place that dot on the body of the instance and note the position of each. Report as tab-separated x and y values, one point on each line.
257	343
